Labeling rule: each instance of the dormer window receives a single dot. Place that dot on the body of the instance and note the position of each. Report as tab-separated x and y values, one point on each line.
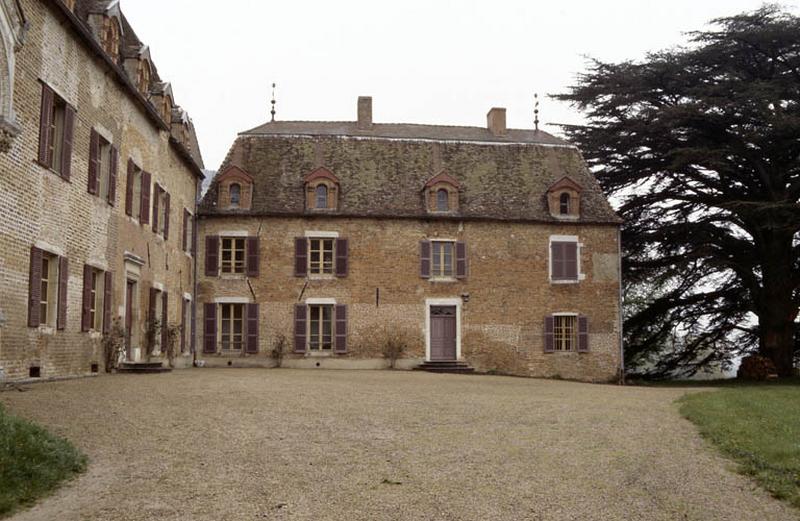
235	190
143	79
442	200
563	205
564	199
167	109
441	194
111	34
322	190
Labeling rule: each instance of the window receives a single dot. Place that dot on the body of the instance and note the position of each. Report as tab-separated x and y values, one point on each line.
57	120
442	200
188	235
442	258
233	259
49	290
111	37
143	79
96	300
231	327
564	259
163	211
321	196
320	327
235	190
135	189
565	332
104	174
320	260
186	330
563	204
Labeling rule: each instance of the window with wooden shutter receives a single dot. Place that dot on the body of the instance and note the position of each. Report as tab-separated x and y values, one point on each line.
144	208
300	328
112	175
252	328
583	334
94	162
156	199
300	256
425	259
442	263
252	248
461	260
564	261
66	142
233	258
45	124
35	288
165	226
88	297
342	261
96	299
341	328
549	341
565	332
63	286
212	255
164	323
209	328
321	256
107	295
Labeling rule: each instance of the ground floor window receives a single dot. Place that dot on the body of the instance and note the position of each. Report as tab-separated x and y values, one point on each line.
320	327
186	331
96	300
231	327
49	290
565	332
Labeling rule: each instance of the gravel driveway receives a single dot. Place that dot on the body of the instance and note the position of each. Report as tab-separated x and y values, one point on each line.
250	444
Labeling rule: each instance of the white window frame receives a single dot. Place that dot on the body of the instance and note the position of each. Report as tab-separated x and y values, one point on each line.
233	272
564	238
436	277
576	334
430	302
97	301
53	280
234	302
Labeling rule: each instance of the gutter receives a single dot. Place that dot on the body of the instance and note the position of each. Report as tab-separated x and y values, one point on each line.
619	272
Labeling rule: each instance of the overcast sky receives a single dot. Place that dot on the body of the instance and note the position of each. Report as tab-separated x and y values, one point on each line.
440	62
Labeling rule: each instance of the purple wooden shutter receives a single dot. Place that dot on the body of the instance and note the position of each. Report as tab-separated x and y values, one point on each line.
66	145
342	260
112	177
45	122
299	328
63	284
212	255
108	285
144	209
461	260
252	247
86	309
94	162
251	345
164	323
571	260
129	188
193	327
156	196
184	303
557	261
185	239
425	259
35	288
583	334
209	328
151	310
300	257
549	340
341	328
166	216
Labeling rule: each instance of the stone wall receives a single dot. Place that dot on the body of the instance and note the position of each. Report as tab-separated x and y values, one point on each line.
503	300
37	207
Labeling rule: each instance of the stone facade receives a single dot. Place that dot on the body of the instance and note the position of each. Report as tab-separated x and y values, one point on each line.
503	294
56	214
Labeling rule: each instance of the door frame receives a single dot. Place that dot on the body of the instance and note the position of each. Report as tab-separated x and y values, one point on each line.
442	302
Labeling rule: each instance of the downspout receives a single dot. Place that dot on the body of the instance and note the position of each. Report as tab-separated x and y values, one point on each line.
619	279
195	241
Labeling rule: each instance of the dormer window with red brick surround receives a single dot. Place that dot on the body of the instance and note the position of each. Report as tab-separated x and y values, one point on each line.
322	190
111	36
235	189
564	199
441	194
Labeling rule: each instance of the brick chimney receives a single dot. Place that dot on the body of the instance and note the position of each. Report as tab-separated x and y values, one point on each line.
496	121
364	113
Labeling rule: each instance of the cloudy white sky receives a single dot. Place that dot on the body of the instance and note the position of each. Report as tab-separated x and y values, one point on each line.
442	62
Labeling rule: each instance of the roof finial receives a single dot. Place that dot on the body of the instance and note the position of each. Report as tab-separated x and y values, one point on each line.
536	111
273	103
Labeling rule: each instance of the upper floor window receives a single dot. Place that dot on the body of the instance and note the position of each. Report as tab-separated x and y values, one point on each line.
563	203
55	133
320	259
564	259
103	159
233	259
442	200
443	259
321	197
321	255
235	190
111	33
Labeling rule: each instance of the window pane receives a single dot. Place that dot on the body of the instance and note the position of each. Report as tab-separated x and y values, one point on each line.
321	196
442	203
326	326
448	259
437	259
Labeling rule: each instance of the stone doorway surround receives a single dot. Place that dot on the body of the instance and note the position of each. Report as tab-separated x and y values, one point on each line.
432	302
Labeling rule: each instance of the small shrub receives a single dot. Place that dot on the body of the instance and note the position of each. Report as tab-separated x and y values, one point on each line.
756	367
395	344
279	349
114	346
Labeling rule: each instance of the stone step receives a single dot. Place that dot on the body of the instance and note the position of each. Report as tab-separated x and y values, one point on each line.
143	367
445	366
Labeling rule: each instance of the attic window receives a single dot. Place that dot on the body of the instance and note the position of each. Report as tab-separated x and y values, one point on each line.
322	189
321	196
442	200
235	194
111	37
563	208
143	79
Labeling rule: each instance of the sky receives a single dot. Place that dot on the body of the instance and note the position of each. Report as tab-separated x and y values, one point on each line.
436	62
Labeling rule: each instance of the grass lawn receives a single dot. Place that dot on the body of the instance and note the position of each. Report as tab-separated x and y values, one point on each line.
32	462
759	427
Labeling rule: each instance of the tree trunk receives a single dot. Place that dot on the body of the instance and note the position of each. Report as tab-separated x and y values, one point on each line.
777	308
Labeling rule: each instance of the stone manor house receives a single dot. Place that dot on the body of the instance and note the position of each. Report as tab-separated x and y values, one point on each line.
483	248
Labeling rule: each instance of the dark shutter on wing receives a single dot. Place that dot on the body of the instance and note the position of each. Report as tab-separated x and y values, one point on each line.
45	122
66	145
144	209
549	340
108	292
63	284
94	162
209	328
251	345
164	324
571	260
156	196
166	215
340	328
583	334
212	255
300	257
425	259
86	309
342	260
129	188
300	328
461	260
112	176
35	288
252	251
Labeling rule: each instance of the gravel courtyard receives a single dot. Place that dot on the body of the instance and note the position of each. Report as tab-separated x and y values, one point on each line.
250	444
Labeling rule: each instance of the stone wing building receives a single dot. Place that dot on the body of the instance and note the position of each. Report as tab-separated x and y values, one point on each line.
489	248
99	175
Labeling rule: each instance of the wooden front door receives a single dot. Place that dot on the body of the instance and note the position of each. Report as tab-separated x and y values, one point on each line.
129	294
443	333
